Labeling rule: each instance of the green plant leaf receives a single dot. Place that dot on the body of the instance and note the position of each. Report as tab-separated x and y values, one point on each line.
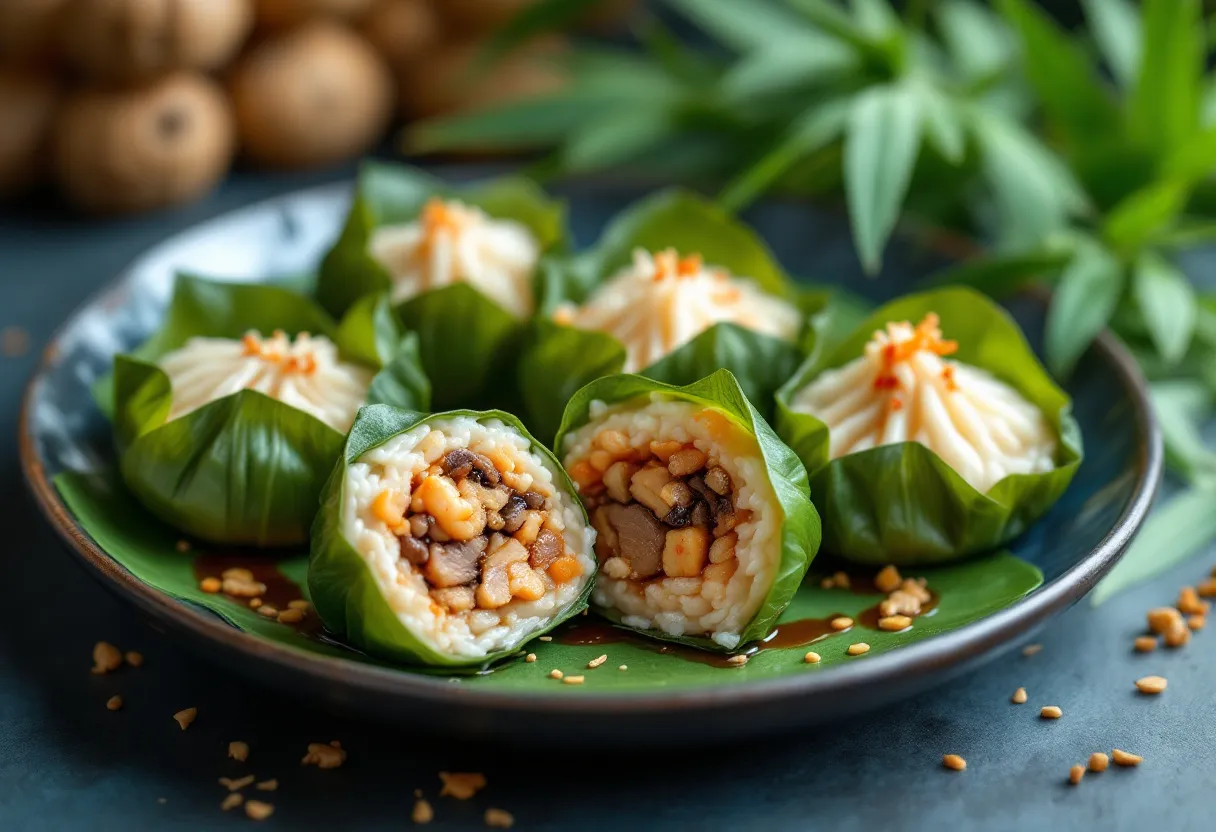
1175	531
800	528
999	276
1167	302
531	20
1165	102
943	123
833	20
1084	302
757	25
881	146
614	138
1180	407
902	503
787	66
1143	214
348	594
535	122
146	548
978	41
1195	158
1116	28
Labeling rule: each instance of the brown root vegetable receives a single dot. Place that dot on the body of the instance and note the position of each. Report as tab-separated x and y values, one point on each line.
129	40
279	14
156	145
27	29
27	110
402	31
448	81
311	96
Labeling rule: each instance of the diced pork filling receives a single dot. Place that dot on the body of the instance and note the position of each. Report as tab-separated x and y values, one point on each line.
666	510
480	536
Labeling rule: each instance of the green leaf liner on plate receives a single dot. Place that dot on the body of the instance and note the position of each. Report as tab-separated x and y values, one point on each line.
799	521
468	342
246	468
557	359
343	587
902	503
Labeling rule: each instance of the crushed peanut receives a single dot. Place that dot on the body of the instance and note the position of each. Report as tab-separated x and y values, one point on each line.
461	785
238	751
184	718
812	658
1151	684
1196	622
210	585
894	623
573	680
888	580
842	623
231	801
1163	619
1124	758
268	785
531	657
737	661
323	756
556	674
423	813
257	810
133	658
114	703
1031	649
1019	696
1098	762
299	604
841	579
1207	588
499	819
238	784
291	616
1051	712
106	657
1177	636
623	667
596	662
267	611
858	649
1189	603
545	638
1075	774
954	762
254	603
1145	644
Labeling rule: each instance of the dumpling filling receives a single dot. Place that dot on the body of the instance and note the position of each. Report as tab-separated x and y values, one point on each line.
903	388
305	373
663	301
687	524
453	243
471	543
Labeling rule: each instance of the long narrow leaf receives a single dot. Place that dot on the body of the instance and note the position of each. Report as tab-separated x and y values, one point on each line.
1167	302
614	137
525	124
1116	28
1143	213
1001	276
1084	302
756	24
788	64
881	147
1165	104
977	40
533	19
1179	407
942	121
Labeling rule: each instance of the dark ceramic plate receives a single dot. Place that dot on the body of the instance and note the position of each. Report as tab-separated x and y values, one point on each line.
663	696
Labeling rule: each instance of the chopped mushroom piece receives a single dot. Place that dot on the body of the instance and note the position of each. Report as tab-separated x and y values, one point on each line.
642	537
454	564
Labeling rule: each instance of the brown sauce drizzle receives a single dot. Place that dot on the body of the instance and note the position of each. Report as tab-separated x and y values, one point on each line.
280	590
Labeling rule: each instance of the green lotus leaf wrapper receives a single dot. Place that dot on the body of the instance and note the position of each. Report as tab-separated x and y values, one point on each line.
902	503
467	340
247	468
558	359
343	589
800	525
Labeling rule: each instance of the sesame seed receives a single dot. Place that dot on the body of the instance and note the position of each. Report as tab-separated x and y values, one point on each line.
531	657
1019	696
842	623
238	751
894	623
954	762
257	810
1051	712
1031	649
1075	774
1124	758
545	638
812	658
858	649
556	674
184	718
573	680
1145	644
623	667
596	662
737	661
1098	761
1151	684
231	801
114	703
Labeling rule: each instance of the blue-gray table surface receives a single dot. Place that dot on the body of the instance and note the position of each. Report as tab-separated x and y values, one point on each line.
67	762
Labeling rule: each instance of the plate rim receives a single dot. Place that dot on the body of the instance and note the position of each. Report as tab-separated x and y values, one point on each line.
939	653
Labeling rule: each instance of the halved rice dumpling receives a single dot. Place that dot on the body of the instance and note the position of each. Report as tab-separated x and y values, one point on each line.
448	539
704	528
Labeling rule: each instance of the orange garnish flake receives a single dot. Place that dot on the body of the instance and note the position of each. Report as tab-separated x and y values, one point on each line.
670	264
896	404
948	377
886	381
253	344
926	336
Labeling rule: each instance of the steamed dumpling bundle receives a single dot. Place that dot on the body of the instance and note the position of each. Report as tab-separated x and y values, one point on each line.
230	417
674	290
448	539
460	264
703	522
452	243
921	448
661	301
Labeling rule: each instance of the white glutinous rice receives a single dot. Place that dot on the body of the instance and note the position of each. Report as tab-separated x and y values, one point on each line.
412	502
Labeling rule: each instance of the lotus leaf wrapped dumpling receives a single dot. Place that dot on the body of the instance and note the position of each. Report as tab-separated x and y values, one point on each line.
447	539
904	388
663	300
452	242
703	524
